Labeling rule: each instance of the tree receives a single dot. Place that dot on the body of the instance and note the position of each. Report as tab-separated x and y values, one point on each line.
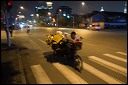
5	7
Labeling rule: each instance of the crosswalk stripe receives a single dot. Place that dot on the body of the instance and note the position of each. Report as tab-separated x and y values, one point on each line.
109	65
101	75
115	57
70	75
40	75
122	53
42	41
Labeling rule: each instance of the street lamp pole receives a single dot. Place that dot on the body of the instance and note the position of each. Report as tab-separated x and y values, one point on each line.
57	20
73	20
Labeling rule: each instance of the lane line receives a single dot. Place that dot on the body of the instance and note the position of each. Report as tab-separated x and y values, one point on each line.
116	57
122	53
101	75
70	75
109	65
40	75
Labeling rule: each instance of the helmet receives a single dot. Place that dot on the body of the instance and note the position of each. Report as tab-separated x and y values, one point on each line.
59	32
73	33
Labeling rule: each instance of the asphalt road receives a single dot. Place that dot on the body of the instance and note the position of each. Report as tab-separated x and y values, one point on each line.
104	55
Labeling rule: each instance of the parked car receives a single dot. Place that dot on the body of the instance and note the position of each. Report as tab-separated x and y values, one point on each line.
94	27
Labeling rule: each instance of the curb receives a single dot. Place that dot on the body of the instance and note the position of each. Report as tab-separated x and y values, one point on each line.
22	75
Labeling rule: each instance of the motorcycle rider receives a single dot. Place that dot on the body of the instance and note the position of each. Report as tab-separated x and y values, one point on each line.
75	37
28	29
77	40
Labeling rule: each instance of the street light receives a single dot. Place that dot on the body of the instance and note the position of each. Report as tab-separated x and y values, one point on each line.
22	7
49	13
59	14
83	3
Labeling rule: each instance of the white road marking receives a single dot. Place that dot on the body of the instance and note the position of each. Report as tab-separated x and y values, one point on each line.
36	44
70	75
122	53
109	65
42	41
40	75
103	76
115	57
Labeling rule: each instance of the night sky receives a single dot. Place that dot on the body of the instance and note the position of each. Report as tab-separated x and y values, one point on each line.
77	8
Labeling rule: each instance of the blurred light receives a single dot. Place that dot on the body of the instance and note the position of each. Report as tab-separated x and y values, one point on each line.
83	3
55	25
21	25
34	21
22	7
32	15
9	3
49	13
68	16
37	15
60	10
49	3
64	14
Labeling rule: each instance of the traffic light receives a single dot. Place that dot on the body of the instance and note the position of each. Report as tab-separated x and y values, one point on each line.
9	5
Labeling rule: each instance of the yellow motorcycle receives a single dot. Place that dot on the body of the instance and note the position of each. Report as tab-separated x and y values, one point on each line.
67	49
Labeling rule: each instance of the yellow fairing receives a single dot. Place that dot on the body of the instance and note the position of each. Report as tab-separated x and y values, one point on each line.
57	38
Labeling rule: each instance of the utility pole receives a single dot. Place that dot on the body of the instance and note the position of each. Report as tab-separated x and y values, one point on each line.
7	29
8	7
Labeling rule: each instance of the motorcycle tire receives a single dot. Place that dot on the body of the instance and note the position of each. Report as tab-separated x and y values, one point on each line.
78	63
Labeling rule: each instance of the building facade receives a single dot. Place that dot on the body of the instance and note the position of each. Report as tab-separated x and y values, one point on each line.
106	19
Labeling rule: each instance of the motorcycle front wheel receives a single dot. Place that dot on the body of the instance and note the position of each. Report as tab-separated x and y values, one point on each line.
78	63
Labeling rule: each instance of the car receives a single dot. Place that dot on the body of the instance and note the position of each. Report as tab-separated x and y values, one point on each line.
94	27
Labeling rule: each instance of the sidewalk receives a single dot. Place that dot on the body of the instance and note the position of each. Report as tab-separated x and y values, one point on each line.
9	65
10	70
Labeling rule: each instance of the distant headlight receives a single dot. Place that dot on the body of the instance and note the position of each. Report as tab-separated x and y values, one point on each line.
21	25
